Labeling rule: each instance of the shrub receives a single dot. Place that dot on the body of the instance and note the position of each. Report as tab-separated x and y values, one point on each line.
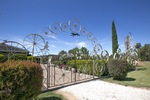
20	80
86	66
2	58
105	70
29	58
118	68
6	57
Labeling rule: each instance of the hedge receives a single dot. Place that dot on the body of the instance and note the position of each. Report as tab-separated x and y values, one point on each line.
4	58
20	80
86	66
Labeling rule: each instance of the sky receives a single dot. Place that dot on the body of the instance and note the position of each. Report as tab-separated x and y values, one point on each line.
21	18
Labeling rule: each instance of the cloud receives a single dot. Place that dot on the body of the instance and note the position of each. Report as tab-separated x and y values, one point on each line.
51	36
81	44
52	46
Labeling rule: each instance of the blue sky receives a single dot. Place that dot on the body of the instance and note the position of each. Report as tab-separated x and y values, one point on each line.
19	18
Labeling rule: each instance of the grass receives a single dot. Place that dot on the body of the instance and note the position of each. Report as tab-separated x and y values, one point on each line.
138	78
50	96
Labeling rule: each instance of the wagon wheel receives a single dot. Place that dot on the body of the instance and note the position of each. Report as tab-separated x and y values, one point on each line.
35	44
12	50
74	25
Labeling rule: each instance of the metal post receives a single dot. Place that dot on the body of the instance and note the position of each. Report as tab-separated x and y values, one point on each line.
93	68
48	75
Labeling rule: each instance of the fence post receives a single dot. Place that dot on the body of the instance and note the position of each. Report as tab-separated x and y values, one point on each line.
48	71
93	68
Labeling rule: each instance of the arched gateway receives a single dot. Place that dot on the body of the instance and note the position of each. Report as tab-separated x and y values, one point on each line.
55	75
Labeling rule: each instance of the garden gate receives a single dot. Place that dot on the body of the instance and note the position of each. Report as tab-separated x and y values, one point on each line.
62	75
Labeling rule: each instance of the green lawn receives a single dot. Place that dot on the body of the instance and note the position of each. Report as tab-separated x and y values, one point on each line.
137	78
50	96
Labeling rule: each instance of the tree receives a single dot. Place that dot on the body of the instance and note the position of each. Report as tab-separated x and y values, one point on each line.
84	52
138	45
74	50
63	57
144	52
62	52
114	38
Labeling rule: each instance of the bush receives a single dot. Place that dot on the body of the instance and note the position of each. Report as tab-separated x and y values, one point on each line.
29	58
86	66
105	70
6	57
118	68
2	58
20	80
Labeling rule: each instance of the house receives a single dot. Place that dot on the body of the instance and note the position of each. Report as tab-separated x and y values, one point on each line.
12	52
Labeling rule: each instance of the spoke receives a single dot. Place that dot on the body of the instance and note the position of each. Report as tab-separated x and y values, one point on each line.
16	46
40	44
29	47
28	44
39	40
30	39
38	47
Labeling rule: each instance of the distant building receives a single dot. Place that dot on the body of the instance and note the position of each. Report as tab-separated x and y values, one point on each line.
4	48
11	52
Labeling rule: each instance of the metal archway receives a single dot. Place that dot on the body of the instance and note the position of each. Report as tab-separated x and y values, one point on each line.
62	76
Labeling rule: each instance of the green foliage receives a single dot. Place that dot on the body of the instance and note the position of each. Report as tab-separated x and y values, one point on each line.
20	80
84	53
118	69
30	58
144	52
138	45
114	38
137	78
16	56
62	52
50	96
2	58
19	57
86	66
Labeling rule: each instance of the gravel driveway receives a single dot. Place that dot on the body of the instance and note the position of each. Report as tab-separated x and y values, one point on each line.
100	90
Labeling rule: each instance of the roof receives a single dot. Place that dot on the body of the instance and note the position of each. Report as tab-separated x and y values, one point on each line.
9	48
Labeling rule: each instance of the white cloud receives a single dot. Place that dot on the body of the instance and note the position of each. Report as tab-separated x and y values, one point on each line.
52	36
81	44
53	46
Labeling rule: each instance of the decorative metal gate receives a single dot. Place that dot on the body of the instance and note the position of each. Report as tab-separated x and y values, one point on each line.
57	75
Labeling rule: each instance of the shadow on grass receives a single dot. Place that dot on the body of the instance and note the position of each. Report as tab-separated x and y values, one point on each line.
138	69
50	98
128	79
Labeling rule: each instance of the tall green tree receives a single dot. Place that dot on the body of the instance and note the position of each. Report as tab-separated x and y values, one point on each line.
138	45
85	52
144	52
114	38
